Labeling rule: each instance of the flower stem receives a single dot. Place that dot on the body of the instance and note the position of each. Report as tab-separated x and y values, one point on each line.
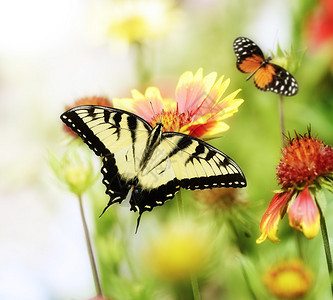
194	280
90	250
299	245
195	288
281	112
326	243
241	250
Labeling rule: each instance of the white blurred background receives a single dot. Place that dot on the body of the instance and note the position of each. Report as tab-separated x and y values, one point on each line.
48	58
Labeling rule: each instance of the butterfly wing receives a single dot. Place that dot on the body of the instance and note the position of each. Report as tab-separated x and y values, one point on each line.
184	161
275	79
178	160
249	55
118	136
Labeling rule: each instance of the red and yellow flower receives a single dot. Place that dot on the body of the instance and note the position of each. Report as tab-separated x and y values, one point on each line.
305	167
197	110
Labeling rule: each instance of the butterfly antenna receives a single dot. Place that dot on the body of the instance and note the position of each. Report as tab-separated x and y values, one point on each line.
152	108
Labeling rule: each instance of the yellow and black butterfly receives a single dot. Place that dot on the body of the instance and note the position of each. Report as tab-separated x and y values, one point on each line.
267	76
143	164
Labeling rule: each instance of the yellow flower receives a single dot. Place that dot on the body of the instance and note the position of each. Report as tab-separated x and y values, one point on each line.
179	252
74	169
133	21
288	279
198	109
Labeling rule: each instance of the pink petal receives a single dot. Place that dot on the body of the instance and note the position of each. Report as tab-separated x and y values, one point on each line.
304	214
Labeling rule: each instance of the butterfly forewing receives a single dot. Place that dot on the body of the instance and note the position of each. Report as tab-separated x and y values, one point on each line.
249	55
107	130
197	165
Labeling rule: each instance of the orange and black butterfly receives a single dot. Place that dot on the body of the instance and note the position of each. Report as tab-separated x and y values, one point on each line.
267	76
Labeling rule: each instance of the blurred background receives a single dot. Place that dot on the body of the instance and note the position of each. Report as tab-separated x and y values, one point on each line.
55	52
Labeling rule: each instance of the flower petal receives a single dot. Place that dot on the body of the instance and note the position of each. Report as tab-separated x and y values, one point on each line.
209	128
149	105
270	220
192	90
208	104
304	214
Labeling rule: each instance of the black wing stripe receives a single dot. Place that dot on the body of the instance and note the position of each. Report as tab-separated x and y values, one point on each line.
107	115
77	124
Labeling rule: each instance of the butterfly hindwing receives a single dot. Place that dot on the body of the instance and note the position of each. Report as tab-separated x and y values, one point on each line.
282	83
183	161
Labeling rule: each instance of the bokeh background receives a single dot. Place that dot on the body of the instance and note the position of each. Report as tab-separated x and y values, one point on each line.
55	52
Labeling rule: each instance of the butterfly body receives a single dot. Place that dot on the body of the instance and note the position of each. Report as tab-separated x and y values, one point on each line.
267	76
146	165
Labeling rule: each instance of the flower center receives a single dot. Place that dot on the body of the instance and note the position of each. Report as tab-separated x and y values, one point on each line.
304	160
172	120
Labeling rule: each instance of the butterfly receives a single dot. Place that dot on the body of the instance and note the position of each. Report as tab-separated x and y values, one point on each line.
145	165
267	76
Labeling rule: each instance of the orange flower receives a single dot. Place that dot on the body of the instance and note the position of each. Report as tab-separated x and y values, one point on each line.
198	108
94	100
306	166
221	199
288	279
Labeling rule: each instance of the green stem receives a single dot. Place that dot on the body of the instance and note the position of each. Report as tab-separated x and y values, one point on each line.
195	288
90	250
326	243
241	250
281	112
299	245
247	281
194	280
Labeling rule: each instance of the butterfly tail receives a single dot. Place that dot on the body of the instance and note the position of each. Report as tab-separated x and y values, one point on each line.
138	222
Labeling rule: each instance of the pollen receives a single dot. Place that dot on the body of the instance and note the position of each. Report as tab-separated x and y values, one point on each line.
304	160
172	120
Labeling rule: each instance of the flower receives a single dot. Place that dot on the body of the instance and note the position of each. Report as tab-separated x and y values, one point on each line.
288	279
319	25
74	169
94	100
221	199
134	21
306	166
198	108
179	252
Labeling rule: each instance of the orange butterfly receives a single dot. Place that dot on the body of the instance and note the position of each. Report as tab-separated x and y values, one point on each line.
267	76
